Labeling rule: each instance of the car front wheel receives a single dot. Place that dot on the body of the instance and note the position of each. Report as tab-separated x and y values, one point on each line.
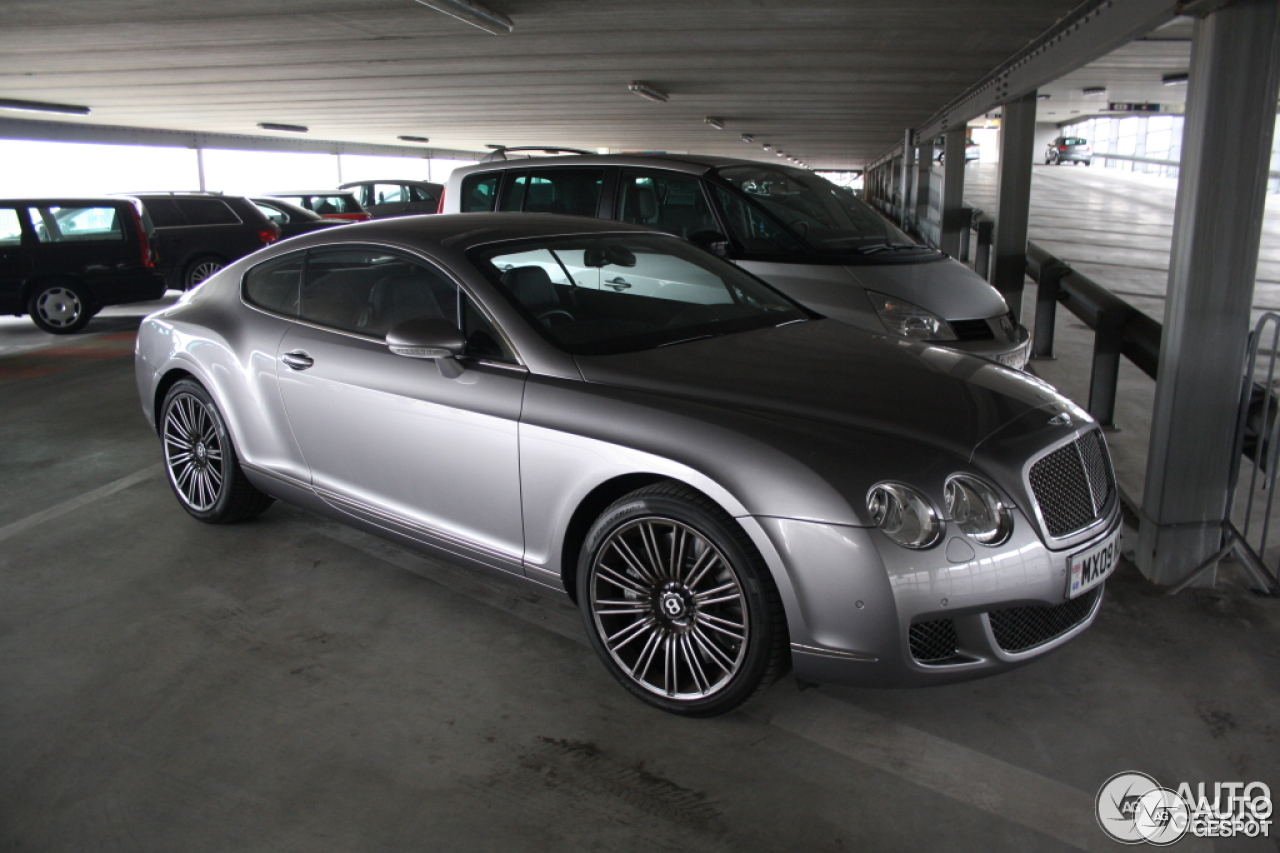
201	461
60	308
678	603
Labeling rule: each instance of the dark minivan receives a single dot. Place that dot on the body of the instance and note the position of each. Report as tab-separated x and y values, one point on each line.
62	260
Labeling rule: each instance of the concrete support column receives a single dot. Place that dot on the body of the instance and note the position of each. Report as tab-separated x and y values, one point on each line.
1017	149
952	214
200	168
908	178
1226	152
924	173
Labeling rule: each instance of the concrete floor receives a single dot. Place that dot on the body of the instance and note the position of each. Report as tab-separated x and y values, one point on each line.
293	685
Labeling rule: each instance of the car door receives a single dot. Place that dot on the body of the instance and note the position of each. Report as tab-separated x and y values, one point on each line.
390	439
15	260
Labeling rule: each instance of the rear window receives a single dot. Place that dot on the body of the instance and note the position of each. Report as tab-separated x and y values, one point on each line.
208	211
54	224
10	227
1074	140
324	204
479	192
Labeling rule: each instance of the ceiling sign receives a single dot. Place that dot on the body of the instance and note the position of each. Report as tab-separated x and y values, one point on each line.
1121	107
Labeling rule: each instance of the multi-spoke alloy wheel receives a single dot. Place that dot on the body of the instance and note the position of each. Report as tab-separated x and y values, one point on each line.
670	608
193	452
678	604
202	269
201	461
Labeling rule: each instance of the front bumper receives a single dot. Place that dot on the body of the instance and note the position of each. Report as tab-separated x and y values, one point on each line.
853	598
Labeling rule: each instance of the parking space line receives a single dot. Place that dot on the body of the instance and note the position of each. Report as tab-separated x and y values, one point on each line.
10	530
963	774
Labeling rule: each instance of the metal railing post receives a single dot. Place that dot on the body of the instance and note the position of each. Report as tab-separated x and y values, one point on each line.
982	254
1047	295
1106	365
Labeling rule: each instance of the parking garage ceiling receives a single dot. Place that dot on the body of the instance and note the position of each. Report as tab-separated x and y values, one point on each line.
832	82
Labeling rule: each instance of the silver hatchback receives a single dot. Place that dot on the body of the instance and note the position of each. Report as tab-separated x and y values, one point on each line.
725	483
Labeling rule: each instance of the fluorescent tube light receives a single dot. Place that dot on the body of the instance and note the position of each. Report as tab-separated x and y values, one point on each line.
746	137
42	107
652	93
1174	79
291	128
717	123
473	14
1093	90
413	139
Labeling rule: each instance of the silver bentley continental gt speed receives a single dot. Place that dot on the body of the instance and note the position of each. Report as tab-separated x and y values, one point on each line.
725	483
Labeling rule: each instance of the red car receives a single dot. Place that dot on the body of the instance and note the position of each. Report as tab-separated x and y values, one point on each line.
331	204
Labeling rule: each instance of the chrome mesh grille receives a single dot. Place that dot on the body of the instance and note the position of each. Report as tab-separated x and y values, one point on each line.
1018	629
933	642
1074	485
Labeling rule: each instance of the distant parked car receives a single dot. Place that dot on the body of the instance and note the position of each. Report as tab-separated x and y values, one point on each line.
200	233
62	260
331	204
291	219
1068	149
972	151
396	198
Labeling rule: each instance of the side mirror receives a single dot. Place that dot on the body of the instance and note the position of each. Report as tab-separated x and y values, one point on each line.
434	340
711	241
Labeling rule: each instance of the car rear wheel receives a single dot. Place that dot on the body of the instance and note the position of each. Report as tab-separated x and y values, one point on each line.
60	308
200	269
678	603
201	461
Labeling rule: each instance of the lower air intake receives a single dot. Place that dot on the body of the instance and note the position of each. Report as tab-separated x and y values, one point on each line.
933	642
1018	629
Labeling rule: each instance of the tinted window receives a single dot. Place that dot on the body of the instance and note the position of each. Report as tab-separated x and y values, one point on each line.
571	191
208	211
752	230
368	291
479	192
653	291
70	224
274	285
164	212
422	194
275	214
10	227
668	202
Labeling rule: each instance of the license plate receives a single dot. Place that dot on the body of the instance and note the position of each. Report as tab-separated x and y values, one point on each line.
1091	567
1016	359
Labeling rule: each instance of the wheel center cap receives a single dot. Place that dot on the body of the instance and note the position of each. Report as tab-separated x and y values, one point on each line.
672	605
201	451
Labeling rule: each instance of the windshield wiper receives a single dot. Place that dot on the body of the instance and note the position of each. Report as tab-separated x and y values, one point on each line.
888	247
687	340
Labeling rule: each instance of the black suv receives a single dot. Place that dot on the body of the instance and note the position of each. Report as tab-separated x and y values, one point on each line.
64	259
200	233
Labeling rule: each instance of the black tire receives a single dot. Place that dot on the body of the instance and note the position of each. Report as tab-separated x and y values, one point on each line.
200	459
696	602
200	269
60	307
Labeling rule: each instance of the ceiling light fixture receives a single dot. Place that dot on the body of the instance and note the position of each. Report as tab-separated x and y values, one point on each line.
767	147
1094	90
413	139
1174	79
717	123
1043	96
473	14
42	107
291	128
746	137
648	92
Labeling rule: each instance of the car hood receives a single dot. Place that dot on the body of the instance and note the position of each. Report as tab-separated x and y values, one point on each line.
947	288
827	372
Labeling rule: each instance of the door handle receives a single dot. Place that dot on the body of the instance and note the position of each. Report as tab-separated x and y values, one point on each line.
297	360
618	283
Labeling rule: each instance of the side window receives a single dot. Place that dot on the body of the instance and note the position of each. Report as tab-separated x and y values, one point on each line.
669	202
571	191
368	291
751	229
10	227
388	194
71	224
164	212
275	214
422	194
483	340
273	286
208	211
479	192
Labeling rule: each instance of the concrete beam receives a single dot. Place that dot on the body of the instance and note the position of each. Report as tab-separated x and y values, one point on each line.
1226	153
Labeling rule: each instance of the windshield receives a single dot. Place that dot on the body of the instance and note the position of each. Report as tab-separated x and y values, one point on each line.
615	293
826	218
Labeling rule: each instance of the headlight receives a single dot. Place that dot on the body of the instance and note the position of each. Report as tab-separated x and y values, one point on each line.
977	510
910	321
904	515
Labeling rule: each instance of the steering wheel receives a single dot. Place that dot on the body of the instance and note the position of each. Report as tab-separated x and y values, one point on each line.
545	317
